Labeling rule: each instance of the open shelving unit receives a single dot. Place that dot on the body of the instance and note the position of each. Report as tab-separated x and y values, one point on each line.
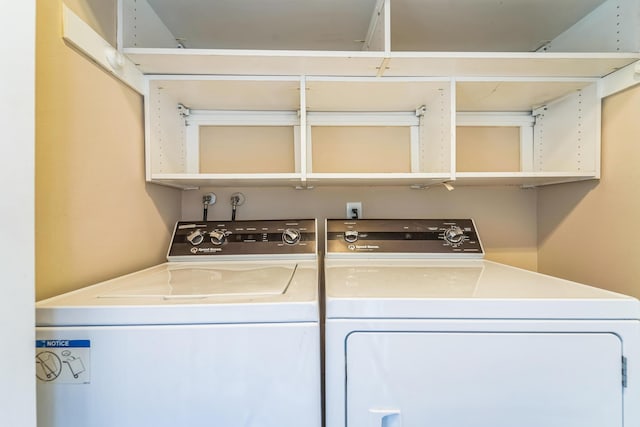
375	92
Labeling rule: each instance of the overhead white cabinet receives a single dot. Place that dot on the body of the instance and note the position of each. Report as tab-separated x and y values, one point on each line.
228	130
375	92
307	131
557	122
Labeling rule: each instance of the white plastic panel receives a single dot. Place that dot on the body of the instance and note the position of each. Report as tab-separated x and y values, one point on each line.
242	375
483	379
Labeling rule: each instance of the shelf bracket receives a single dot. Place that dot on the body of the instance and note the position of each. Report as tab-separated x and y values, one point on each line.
539	111
184	111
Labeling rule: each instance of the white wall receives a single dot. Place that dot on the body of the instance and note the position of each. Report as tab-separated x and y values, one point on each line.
17	375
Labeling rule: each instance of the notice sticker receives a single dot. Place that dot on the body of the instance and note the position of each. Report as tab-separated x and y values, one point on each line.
63	361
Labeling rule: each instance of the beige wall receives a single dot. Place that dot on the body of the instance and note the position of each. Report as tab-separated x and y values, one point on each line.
589	231
506	216
90	186
95	216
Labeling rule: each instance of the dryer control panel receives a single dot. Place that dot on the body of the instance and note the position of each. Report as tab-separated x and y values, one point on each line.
194	239
435	237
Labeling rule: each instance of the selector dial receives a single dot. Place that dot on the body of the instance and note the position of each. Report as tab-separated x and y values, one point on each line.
351	236
218	237
291	236
195	237
454	235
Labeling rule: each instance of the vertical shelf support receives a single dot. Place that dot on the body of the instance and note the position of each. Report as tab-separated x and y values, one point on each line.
526	148
192	143
454	118
305	149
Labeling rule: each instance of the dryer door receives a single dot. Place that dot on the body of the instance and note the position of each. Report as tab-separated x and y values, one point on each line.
411	379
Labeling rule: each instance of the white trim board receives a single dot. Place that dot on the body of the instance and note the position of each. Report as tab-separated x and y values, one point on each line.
80	35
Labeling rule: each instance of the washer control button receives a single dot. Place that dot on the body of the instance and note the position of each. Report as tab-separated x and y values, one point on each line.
218	237
195	237
291	236
351	236
454	235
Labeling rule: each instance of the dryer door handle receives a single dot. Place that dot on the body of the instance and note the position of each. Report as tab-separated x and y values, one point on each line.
385	418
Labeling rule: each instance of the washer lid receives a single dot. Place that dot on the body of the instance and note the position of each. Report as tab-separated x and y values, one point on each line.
176	281
206	292
400	289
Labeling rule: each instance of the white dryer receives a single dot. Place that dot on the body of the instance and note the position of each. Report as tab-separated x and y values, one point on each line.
422	331
224	334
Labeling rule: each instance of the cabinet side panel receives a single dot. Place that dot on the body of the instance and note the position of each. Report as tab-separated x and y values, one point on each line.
435	134
566	134
612	27
377	33
166	132
141	26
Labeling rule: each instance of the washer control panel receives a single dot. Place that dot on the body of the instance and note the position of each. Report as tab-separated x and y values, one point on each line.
193	239
437	237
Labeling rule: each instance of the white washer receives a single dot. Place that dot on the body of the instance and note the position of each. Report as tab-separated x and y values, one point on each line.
224	334
421	331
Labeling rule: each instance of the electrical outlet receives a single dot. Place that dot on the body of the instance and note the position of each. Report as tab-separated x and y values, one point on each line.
354	206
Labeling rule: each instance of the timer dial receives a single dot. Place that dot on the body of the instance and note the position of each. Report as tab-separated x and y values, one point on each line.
218	237
195	237
351	236
291	236
454	235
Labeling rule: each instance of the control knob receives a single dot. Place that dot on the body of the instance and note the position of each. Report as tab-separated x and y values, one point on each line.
351	236
454	235
218	237
291	236
195	237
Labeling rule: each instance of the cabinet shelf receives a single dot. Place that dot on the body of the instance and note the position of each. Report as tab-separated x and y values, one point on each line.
393	64
197	180
377	179
519	179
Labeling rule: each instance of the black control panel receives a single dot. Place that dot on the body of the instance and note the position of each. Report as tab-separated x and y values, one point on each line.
195	239
415	236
